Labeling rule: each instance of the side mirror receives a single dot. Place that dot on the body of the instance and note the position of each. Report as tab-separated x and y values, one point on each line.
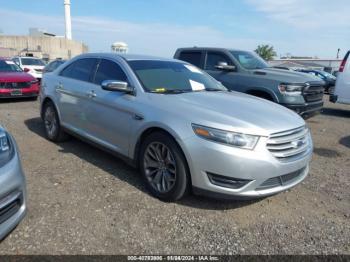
225	67
115	85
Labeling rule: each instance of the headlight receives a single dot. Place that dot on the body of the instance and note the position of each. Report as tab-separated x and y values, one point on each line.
291	89
5	149
226	137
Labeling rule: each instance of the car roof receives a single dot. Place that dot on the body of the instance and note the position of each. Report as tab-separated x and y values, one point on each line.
33	57
127	57
198	48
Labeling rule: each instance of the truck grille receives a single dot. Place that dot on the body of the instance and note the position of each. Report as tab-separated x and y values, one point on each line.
313	92
15	85
281	180
289	145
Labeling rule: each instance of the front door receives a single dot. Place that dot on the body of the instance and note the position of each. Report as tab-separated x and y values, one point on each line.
109	113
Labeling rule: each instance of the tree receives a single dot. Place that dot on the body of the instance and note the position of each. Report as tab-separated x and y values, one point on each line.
266	52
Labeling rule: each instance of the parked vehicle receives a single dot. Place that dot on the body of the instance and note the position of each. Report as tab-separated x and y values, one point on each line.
12	185
15	83
30	65
248	73
341	92
328	78
53	65
178	125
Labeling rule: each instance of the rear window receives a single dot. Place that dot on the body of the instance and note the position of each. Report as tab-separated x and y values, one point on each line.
32	61
193	58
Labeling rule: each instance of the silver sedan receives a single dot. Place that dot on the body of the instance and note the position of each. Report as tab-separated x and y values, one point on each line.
12	185
181	127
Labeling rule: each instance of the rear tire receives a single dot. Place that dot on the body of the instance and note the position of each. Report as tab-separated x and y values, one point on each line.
163	167
53	129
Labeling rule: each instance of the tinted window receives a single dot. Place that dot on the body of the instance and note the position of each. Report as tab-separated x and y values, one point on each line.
213	59
50	67
164	76
80	70
249	60
32	61
108	70
193	58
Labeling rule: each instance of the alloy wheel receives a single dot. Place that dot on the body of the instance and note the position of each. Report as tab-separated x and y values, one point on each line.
50	121
160	167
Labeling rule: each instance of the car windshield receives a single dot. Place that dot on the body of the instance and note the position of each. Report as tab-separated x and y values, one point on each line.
9	66
173	77
249	60
32	61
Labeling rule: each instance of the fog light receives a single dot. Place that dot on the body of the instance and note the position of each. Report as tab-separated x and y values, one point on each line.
228	182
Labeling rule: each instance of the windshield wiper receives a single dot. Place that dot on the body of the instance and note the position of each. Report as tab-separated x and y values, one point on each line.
214	90
170	91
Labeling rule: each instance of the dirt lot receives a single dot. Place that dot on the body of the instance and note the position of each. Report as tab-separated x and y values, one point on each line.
84	201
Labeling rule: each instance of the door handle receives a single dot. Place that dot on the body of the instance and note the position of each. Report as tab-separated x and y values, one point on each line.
91	94
59	87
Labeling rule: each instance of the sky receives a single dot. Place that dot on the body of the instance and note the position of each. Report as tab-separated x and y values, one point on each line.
159	27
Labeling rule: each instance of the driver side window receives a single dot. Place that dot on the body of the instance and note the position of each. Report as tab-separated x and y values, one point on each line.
213	59
109	70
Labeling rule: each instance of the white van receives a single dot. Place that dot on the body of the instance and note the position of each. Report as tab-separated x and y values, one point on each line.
342	86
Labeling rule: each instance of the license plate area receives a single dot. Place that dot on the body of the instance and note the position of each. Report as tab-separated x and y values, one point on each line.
16	92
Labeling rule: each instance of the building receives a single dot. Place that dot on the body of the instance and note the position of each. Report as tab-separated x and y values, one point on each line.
329	65
120	47
40	44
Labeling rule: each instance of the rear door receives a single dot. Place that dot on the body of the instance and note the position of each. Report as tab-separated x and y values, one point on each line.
73	90
193	57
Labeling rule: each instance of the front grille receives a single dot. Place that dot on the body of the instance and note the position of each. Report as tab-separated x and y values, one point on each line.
313	92
289	145
281	180
15	85
10	208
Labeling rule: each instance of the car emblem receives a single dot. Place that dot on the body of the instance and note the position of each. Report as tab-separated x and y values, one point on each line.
298	143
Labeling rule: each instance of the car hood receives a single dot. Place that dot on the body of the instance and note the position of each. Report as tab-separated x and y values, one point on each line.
287	76
231	111
15	77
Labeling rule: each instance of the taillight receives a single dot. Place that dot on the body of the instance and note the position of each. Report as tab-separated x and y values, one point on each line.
343	63
26	70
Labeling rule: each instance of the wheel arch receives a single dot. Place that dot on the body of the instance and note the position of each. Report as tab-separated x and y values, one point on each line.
44	102
263	93
152	129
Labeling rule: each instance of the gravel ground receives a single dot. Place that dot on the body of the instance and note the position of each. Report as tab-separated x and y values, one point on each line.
84	201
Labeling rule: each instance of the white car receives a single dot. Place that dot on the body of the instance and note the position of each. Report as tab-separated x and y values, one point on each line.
30	65
342	86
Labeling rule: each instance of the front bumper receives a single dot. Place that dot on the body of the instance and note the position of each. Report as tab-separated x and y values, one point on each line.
257	166
307	108
12	195
32	91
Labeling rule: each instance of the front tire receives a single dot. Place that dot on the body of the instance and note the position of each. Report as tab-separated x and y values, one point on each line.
53	129
163	167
